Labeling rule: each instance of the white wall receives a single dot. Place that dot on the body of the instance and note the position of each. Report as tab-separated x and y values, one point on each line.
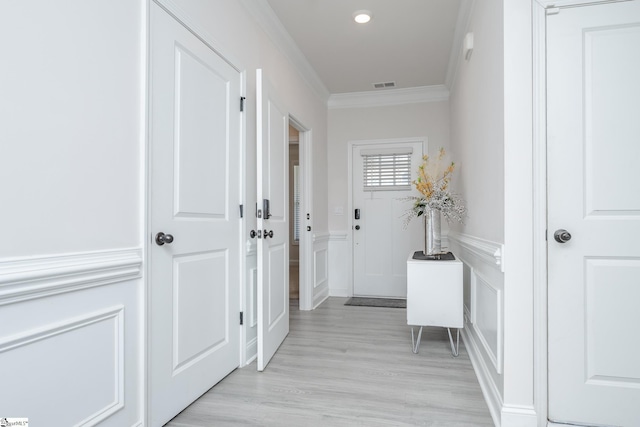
71	126
477	125
71	141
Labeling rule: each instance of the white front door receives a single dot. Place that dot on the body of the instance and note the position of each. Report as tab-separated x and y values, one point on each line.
381	177
273	203
195	279
593	94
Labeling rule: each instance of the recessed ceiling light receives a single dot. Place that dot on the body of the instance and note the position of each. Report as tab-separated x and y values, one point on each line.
362	16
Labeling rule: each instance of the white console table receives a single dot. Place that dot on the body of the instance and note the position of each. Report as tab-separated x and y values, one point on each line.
434	297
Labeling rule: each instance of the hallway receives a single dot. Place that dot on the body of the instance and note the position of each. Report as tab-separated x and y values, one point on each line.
346	366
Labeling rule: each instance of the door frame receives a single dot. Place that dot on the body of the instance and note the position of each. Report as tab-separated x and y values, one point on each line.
305	163
539	154
350	146
145	164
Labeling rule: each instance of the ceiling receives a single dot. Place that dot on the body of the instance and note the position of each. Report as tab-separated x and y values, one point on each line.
408	42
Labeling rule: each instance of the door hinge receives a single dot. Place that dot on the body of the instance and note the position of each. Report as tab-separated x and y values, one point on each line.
241	211
242	99
241	318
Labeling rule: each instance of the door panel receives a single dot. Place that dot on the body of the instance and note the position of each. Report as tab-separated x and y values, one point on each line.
273	249
194	280
381	243
201	110
594	193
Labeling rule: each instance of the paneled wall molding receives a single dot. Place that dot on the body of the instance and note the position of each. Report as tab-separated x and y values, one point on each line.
490	252
321	237
484	329
337	236
112	316
29	278
491	309
340	283
320	268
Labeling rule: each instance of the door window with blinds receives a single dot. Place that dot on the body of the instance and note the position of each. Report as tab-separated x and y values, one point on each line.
387	170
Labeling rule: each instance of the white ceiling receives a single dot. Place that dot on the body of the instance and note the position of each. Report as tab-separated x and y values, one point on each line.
407	41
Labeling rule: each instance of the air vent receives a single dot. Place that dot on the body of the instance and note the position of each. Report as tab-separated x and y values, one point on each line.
384	85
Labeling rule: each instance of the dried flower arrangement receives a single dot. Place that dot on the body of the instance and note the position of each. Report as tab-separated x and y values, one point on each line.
433	184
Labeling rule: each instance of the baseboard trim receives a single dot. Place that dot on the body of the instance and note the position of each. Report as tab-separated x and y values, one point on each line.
342	293
520	416
491	394
320	298
252	351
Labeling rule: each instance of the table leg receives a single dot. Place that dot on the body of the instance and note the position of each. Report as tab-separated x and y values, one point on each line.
454	349
415	344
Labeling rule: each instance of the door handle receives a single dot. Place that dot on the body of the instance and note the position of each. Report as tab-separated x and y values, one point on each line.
562	236
162	238
268	233
357	227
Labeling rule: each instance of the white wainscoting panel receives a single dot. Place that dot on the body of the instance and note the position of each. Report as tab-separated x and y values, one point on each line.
488	319
320	268
340	283
321	264
71	338
66	347
483	332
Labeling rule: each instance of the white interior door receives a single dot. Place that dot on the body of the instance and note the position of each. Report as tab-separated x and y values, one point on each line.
273	202
381	178
594	193
195	156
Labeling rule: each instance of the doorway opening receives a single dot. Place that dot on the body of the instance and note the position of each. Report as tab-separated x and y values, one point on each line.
294	214
300	219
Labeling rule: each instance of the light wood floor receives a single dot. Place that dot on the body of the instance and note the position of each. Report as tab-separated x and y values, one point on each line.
348	366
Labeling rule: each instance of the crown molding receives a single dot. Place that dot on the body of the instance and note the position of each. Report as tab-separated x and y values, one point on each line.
462	27
382	98
269	22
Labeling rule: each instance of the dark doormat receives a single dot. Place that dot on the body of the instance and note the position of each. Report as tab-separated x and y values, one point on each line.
377	302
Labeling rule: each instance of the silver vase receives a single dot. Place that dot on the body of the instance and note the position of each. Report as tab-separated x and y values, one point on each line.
432	232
